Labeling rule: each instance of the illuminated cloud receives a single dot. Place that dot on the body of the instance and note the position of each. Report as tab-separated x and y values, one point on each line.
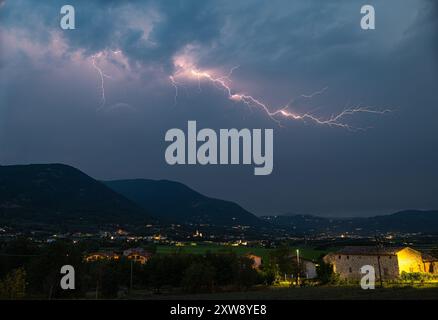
173	63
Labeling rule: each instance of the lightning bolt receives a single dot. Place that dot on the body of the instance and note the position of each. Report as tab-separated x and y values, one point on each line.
224	83
102	75
175	85
334	120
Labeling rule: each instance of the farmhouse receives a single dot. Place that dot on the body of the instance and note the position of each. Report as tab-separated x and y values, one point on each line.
102	255
308	267
257	260
389	263
137	254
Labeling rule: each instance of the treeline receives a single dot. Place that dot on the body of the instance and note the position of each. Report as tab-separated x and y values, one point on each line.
28	269
31	270
40	266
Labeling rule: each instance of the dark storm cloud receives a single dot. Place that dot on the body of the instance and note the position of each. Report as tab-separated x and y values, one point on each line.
299	31
49	95
121	25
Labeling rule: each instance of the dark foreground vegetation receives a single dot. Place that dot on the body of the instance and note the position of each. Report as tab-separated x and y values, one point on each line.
30	270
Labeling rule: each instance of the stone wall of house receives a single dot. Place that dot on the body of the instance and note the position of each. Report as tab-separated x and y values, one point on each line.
410	260
310	269
348	266
431	267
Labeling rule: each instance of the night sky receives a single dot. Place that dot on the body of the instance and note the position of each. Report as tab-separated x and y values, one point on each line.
52	108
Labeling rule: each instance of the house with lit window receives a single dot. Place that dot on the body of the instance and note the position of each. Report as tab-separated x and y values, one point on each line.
430	264
101	255
308	267
257	260
389	263
137	255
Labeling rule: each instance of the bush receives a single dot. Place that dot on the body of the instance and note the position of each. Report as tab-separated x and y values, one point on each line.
14	285
199	277
267	276
247	276
326	274
109	284
416	277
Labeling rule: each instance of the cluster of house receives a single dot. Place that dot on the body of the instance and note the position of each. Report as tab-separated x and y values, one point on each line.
389	263
139	255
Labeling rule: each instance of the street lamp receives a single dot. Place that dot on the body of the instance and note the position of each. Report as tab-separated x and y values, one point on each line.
298	265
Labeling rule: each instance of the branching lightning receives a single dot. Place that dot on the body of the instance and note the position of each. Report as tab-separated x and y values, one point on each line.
224	83
187	70
175	85
102	75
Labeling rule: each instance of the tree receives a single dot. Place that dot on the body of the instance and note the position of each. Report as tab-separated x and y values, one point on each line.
281	258
199	277
226	265
44	270
326	273
109	283
14	285
16	254
268	274
247	275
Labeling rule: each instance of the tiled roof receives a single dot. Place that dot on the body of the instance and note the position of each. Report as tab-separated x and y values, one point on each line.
369	250
428	258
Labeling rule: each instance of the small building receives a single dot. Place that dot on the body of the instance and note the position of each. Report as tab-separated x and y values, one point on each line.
307	266
388	262
257	260
430	264
101	255
137	255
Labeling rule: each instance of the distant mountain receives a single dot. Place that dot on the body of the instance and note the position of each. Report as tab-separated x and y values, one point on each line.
301	223
176	202
405	221
60	194
409	221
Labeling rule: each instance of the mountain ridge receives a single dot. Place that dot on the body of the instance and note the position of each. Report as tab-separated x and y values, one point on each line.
193	207
58	193
408	221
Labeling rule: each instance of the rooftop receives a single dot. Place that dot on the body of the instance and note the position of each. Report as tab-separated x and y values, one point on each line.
369	250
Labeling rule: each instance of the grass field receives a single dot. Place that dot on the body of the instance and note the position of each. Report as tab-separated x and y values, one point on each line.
201	248
315	293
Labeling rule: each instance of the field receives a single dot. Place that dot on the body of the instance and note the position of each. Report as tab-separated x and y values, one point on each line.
314	293
201	248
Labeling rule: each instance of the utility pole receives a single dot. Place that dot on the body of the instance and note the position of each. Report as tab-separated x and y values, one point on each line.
378	262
